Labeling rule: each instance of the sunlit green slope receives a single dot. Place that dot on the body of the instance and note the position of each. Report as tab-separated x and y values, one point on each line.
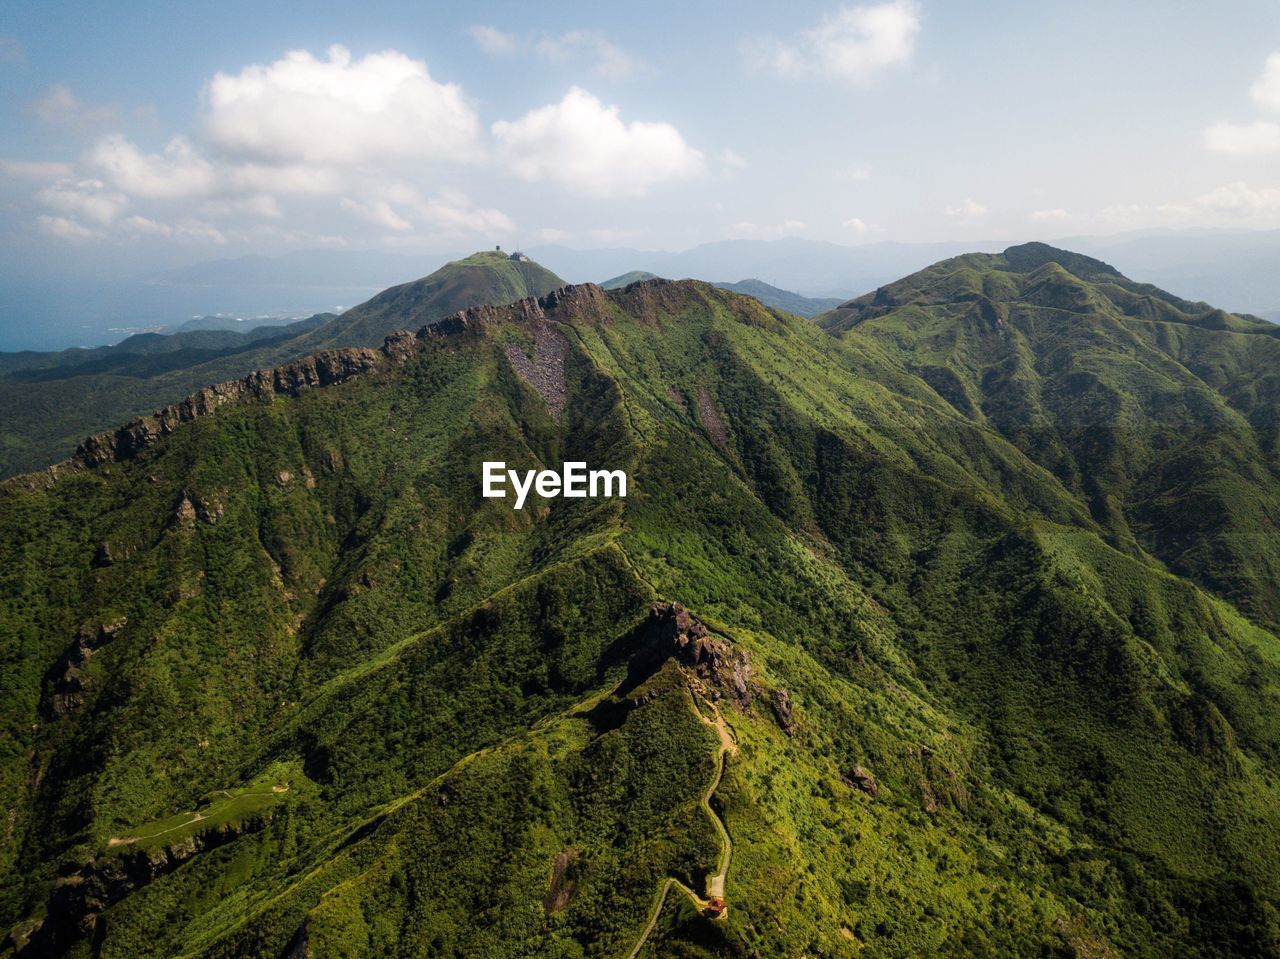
970	715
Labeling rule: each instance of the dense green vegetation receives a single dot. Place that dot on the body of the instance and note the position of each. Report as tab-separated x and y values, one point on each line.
49	402
989	709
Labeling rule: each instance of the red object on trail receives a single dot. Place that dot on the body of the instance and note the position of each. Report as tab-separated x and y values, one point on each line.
715	907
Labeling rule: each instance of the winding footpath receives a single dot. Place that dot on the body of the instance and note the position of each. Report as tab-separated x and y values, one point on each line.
715	882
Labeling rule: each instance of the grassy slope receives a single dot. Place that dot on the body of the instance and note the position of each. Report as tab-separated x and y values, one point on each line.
45	420
1158	413
1073	747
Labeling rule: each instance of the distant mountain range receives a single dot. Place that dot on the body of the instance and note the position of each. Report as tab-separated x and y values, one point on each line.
1231	269
223	321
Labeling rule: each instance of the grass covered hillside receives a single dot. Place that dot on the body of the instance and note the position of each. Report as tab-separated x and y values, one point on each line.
1159	414
49	402
865	662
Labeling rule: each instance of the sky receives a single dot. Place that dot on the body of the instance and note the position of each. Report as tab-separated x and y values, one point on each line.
137	135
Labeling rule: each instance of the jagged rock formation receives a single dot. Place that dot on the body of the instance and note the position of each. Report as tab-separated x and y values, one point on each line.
671	631
323	369
782	711
68	683
861	778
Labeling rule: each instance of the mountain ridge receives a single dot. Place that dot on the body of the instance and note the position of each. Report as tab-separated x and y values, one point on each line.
973	716
72	400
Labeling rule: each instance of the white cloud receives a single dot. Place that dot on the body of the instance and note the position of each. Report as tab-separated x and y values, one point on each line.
606	58
609	61
1240	198
733	159
142	226
1260	138
453	213
585	147
857	172
492	40
854	44
288	178
177	172
1244	139
35	169
858	226
1234	204
340	111
89	199
450	213
968	209
58	105
1049	216
746	228
549	234
1266	89
196	231
378	212
64	228
261	206
180	171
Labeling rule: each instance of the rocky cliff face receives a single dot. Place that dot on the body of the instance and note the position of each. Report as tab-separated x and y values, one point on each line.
68	682
340	365
323	369
671	631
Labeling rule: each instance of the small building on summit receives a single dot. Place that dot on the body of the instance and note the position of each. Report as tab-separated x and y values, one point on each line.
714	908
519	257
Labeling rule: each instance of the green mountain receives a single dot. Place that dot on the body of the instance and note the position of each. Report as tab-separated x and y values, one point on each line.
768	295
626	279
50	401
869	664
782	299
1158	413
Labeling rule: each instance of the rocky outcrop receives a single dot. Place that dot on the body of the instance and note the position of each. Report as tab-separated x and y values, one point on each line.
77	901
68	682
323	369
671	631
782	711
337	366
860	778
299	946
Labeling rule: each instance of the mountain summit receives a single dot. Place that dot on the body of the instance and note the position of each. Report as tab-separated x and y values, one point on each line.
50	401
879	656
